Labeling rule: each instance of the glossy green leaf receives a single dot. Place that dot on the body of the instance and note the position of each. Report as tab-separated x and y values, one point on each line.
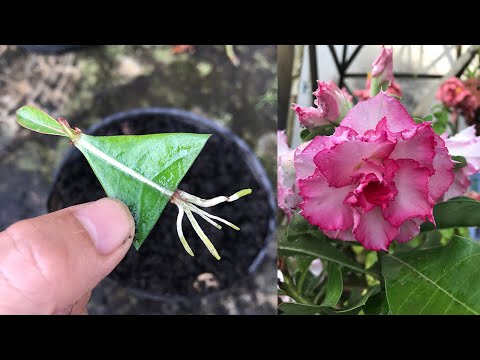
303	243
162	158
441	280
334	285
456	212
34	119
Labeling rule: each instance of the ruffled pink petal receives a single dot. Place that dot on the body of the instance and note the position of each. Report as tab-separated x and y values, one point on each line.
367	114
303	159
443	177
409	230
345	235
412	199
466	144
305	153
373	231
310	117
340	162
370	166
288	201
460	184
418	144
322	205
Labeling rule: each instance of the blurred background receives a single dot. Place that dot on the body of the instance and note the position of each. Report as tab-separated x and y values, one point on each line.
235	86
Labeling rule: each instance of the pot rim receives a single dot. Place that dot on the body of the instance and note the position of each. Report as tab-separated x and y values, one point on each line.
250	159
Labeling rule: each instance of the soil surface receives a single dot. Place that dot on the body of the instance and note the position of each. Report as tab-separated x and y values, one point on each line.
91	83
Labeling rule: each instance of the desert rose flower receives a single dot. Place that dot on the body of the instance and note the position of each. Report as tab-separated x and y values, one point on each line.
376	178
453	94
287	189
382	67
331	103
465	144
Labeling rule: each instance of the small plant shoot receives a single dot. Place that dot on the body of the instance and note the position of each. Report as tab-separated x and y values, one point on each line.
143	171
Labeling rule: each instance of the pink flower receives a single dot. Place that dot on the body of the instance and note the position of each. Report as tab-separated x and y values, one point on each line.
453	94
382	67
287	189
465	144
310	117
332	105
364	94
376	178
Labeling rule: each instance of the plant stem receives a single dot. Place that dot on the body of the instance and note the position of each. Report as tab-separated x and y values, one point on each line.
292	291
302	280
319	295
375	86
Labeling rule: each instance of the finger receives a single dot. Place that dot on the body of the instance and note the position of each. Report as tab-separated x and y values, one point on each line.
80	307
47	263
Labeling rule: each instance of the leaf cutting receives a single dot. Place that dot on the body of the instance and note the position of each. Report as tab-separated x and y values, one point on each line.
143	171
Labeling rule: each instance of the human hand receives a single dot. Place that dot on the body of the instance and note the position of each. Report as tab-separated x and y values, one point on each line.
50	264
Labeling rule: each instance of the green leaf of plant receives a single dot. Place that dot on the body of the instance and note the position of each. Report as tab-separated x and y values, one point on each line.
303	309
303	243
299	227
324	130
34	119
456	212
304	134
161	158
334	285
461	161
377	305
442	280
143	171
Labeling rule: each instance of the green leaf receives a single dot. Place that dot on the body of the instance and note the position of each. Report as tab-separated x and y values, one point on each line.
461	161
440	122
304	134
143	171
34	119
303	309
324	130
377	305
303	243
334	285
442	280
359	304
161	158
456	212
299	227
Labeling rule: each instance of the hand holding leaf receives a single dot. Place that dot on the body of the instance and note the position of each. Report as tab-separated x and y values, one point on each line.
143	171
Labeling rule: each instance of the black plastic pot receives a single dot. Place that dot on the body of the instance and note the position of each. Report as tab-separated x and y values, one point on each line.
51	49
161	269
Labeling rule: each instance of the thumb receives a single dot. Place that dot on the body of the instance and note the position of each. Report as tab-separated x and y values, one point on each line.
49	262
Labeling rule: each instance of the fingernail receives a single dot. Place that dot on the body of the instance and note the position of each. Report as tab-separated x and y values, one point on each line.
108	222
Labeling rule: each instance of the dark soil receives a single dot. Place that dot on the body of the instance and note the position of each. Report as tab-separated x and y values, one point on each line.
161	266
